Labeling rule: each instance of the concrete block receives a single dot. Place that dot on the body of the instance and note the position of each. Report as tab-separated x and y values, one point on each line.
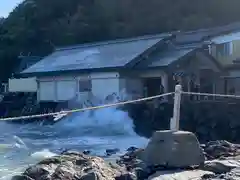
173	149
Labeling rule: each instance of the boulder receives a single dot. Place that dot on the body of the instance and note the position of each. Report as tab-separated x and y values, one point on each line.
221	166
234	174
221	149
178	149
75	166
181	175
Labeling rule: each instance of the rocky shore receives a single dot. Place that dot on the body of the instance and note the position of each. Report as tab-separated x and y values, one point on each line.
221	160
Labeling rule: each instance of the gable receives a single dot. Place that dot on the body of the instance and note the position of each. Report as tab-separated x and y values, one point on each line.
197	59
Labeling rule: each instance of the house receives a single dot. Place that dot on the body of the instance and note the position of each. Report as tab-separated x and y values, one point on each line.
223	44
137	67
226	49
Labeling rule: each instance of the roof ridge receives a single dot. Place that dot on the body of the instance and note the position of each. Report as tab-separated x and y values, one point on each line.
120	40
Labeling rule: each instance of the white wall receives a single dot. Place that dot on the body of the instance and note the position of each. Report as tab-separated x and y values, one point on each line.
60	88
104	84
46	91
23	85
66	90
67	87
133	87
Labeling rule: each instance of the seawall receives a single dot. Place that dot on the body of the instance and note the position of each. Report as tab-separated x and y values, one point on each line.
210	120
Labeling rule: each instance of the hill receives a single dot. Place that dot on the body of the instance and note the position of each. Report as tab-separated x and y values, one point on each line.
37	26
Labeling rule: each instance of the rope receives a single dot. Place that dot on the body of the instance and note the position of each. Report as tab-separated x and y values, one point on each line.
208	94
84	109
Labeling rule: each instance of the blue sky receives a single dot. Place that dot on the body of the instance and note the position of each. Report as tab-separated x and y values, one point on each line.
6	6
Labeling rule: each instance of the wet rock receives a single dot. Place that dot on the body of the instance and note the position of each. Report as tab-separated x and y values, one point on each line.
53	160
131	160
141	173
64	172
110	152
21	177
221	166
127	176
173	149
131	149
75	166
86	152
180	175
40	170
220	149
234	174
91	176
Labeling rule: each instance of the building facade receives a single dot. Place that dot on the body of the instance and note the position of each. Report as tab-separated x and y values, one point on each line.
226	49
123	69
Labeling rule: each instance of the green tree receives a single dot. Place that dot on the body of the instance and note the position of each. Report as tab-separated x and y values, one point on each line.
37	26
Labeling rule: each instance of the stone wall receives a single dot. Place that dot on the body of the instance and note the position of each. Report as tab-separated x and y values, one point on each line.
209	120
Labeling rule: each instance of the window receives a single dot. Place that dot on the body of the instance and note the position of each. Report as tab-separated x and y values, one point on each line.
225	49
85	86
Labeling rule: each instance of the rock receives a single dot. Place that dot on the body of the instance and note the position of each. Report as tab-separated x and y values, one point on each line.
180	175
75	166
234	174
64	172
40	170
131	160
220	149
21	177
173	149
53	160
141	173
91	176
127	176
110	152
131	149
221	166
86	152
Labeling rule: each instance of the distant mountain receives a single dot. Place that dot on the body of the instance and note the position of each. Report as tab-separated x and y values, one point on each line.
37	26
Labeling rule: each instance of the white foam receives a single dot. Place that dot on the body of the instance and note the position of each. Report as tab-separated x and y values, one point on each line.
103	128
41	155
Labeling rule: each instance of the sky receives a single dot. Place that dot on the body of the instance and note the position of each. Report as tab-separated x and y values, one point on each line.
6	6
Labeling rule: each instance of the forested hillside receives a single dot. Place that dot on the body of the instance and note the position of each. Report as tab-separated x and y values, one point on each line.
37	26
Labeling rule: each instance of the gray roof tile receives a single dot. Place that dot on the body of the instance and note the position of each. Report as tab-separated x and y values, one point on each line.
163	59
94	56
226	38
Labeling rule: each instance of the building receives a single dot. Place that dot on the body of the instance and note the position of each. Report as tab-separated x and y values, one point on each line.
136	67
16	84
226	49
223	44
206	60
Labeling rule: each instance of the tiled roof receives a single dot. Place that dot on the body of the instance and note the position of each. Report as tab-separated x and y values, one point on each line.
226	38
94	56
163	59
205	34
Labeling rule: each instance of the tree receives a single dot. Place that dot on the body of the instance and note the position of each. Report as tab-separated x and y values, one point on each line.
37	26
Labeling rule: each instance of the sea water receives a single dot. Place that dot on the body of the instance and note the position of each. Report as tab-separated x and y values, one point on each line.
91	130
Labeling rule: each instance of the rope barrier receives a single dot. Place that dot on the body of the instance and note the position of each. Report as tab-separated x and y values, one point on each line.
208	94
63	113
83	109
